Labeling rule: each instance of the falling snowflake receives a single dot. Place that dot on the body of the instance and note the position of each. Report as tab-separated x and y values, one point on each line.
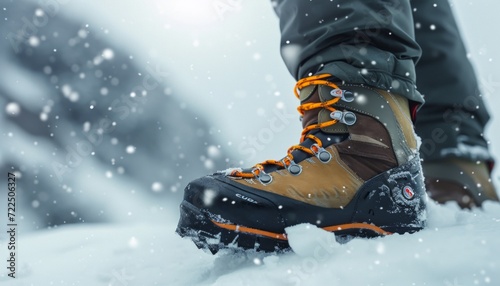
130	149
157	187
13	108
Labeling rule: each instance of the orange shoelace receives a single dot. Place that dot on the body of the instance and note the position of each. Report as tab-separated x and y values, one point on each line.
318	145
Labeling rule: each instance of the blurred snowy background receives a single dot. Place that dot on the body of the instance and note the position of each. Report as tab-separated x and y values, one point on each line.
108	108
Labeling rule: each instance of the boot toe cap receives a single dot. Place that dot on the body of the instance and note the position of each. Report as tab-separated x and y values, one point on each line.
225	203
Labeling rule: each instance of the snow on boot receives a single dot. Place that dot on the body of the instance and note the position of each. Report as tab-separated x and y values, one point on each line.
457	180
356	172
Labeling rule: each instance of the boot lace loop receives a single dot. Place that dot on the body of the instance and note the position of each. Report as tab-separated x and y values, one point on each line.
315	149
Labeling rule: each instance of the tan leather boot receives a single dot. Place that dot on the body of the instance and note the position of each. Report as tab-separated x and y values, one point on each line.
458	180
356	172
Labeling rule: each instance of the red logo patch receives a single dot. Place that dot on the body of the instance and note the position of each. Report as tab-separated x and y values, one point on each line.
408	193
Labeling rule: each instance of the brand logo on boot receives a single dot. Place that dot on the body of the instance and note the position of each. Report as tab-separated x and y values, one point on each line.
408	193
246	198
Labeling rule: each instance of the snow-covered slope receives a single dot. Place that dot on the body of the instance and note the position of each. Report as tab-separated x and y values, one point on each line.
458	248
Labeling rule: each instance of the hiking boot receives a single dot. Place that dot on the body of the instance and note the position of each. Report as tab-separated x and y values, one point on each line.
458	180
356	172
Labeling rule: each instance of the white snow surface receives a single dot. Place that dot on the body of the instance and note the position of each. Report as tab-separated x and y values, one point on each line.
457	248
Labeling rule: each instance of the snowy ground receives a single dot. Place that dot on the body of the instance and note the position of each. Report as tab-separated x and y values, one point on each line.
458	248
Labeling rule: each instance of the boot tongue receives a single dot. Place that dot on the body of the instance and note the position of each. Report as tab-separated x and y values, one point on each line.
328	135
314	94
309	94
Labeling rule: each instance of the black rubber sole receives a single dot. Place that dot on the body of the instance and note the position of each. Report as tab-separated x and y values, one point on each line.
241	217
206	233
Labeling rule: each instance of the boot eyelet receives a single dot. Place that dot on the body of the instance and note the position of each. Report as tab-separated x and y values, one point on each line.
263	177
337	92
324	156
349	118
344	95
321	153
337	115
348	96
346	117
294	169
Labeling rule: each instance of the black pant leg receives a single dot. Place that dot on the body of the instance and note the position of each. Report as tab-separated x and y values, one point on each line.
357	41
451	122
